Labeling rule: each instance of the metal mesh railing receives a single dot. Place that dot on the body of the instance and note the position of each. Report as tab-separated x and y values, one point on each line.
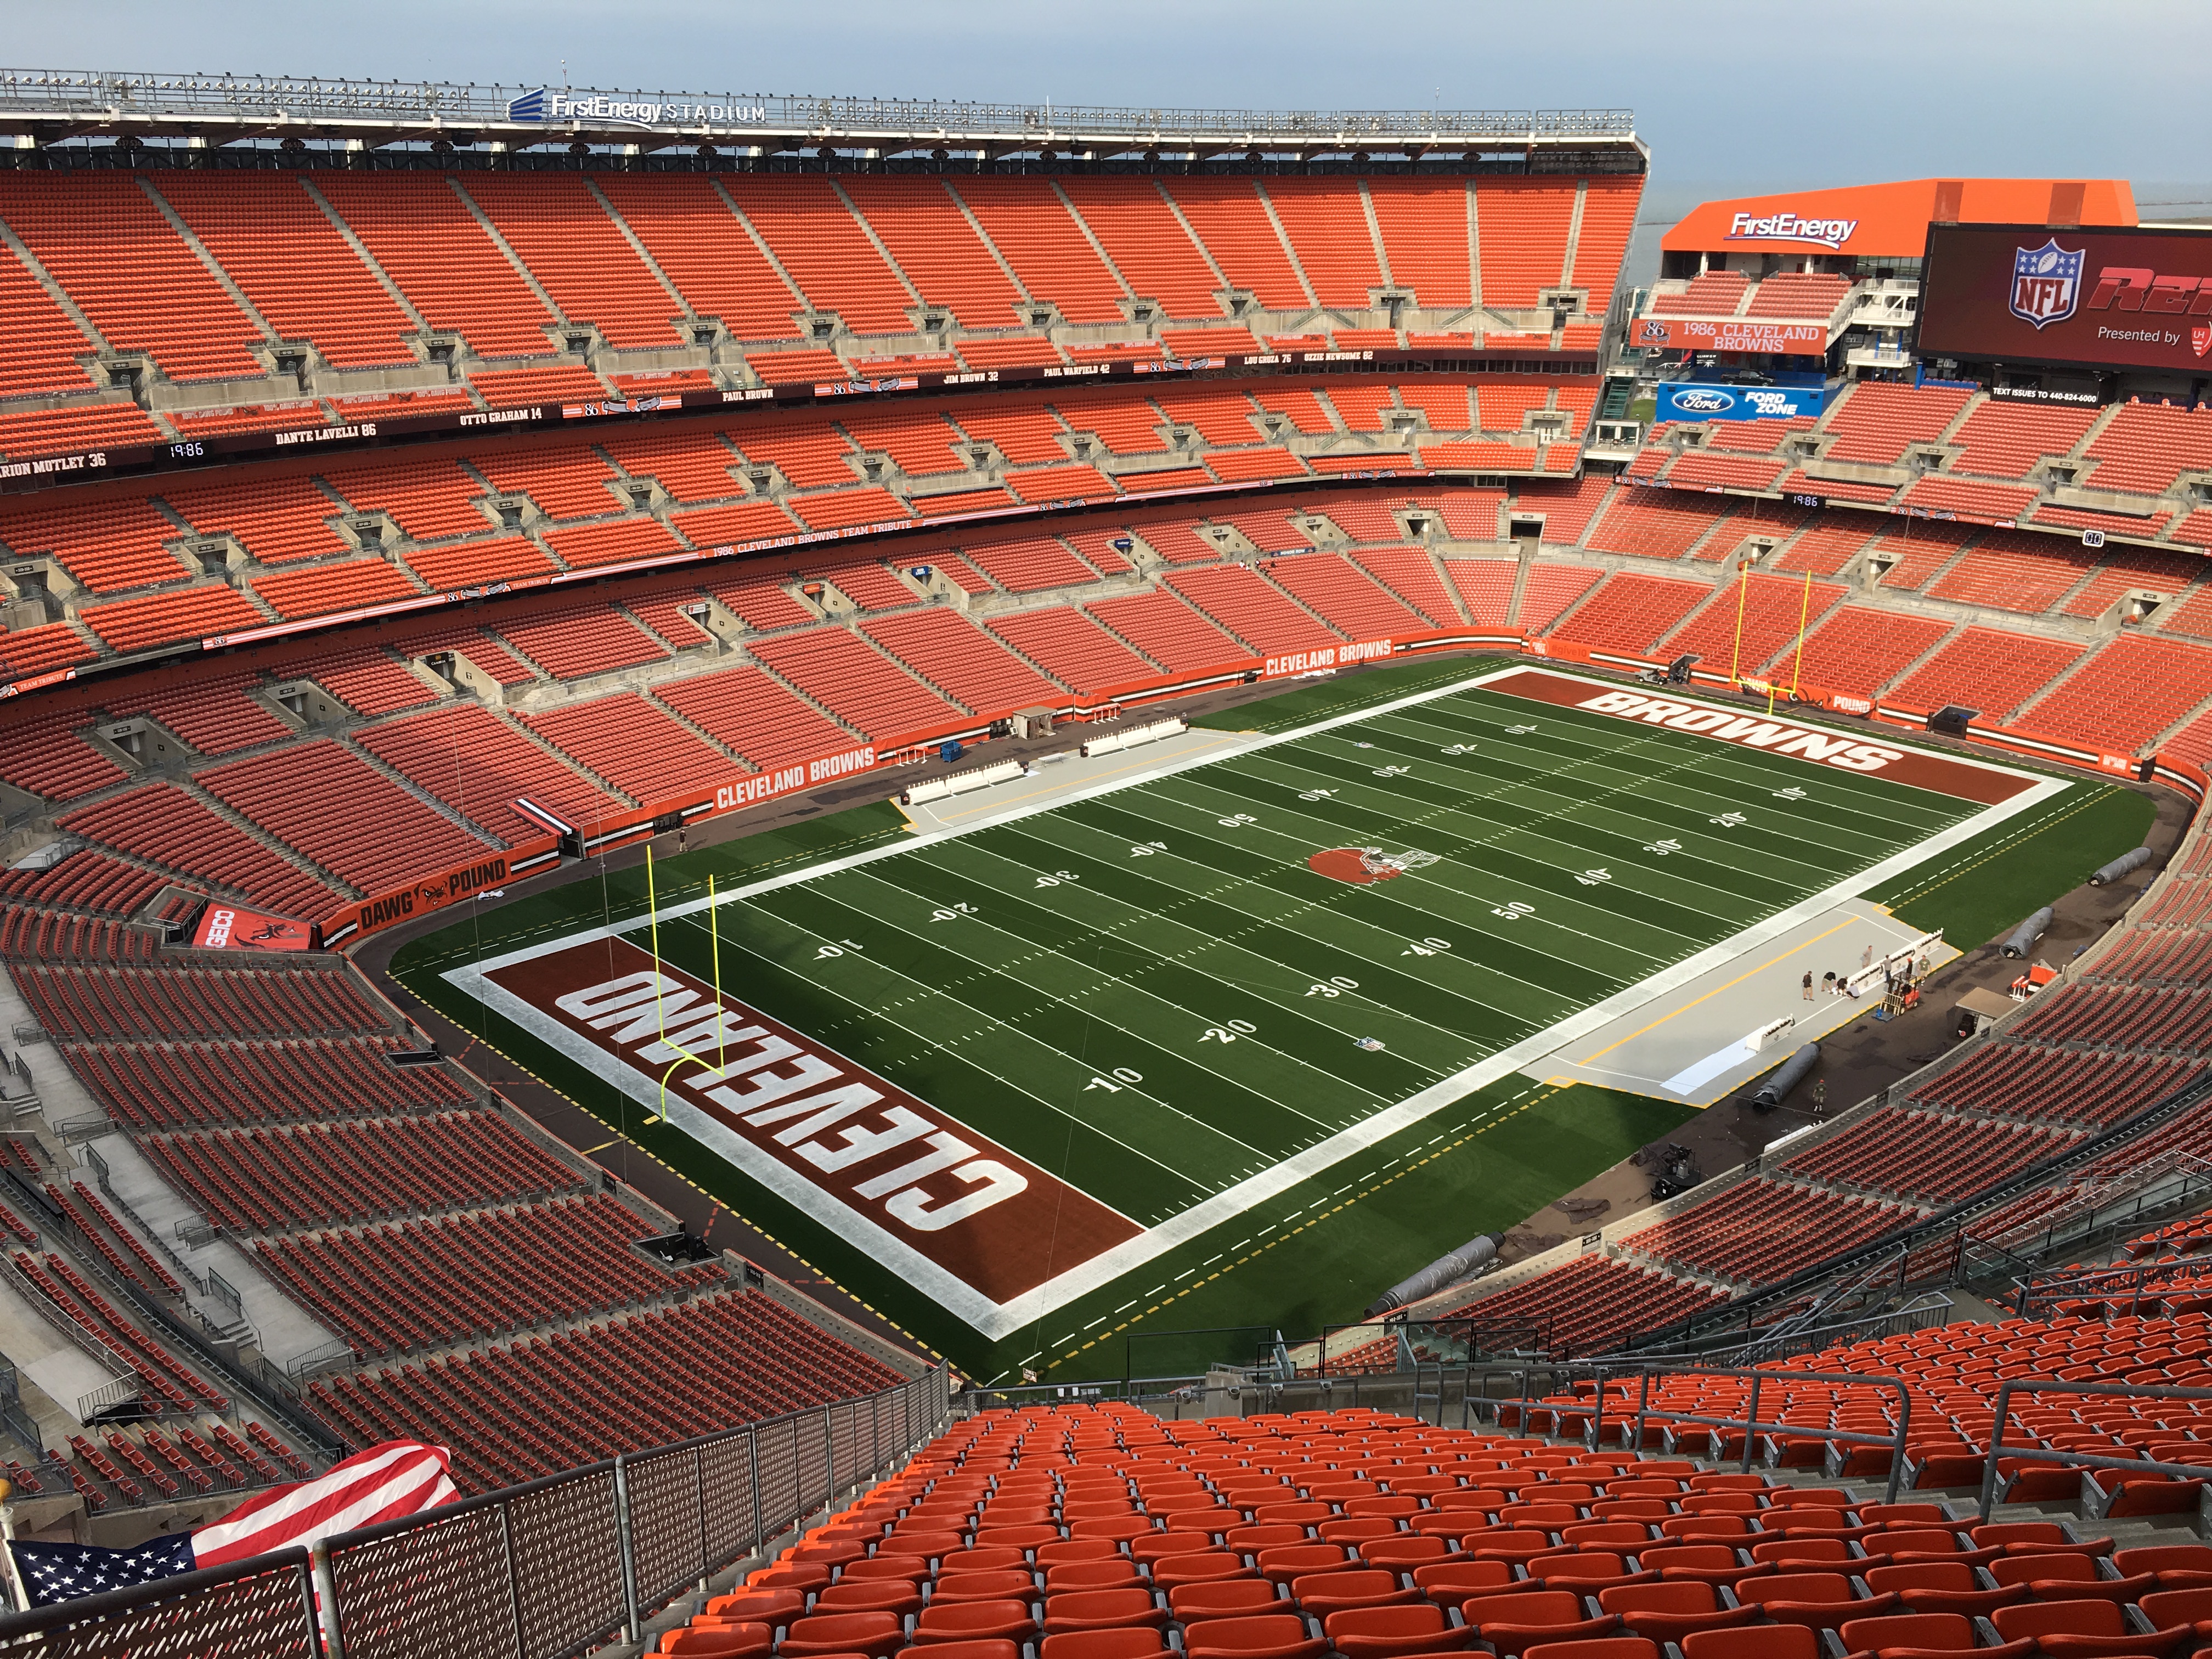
114	93
262	1609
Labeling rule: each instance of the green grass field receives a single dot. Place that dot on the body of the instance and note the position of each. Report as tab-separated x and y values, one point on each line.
1307	1087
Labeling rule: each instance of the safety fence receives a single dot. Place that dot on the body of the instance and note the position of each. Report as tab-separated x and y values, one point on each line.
545	1571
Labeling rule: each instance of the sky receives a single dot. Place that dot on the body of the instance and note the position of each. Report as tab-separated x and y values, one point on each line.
1734	97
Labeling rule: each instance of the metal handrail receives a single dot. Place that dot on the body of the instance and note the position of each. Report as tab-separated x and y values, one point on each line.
2083	1460
118	93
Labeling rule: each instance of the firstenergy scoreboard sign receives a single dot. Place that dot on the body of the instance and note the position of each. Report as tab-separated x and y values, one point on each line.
2097	298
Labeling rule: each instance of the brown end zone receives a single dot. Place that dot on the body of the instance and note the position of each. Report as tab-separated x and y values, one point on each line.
1867	756
863	1147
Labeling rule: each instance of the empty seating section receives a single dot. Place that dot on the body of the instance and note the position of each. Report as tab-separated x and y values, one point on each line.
1630	612
25	651
421	234
426	499
564	239
691	466
1587	1304
964	663
1551	589
2009	570
481	1273
1133	222
567	483
1167	631
323	588
1985	669
2004	440
1710	293
83	881
109	545
1425	225
214	716
1944	496
1234	226
748	712
1522	226
167	1084
2146	446
917	220
1924	1159
254	1180
1874	421
43	344
276	521
105	1004
128	625
808	453
584	545
1485	587
1770	609
1342	595
1411	573
477	764
1860	648
1326	223
274	242
1030	224
337	809
166	304
169	1384
1824	547
636	746
857	683
920	444
813	235
1764	1230
570	639
603	1389
864	581
1727	472
164	824
2123	697
2017	1080
1125	425
686	225
1220	416
1028	564
1656	524
79	427
1024	435
761	604
1810	295
1609	220
1072	648
473	564
1241	600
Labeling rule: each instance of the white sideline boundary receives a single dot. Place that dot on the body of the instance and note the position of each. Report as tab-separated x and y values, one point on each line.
995	1320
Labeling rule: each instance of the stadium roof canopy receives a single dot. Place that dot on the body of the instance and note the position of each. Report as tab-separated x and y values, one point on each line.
1891	221
44	106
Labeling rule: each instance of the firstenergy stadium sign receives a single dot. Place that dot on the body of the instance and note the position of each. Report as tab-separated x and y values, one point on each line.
956	1213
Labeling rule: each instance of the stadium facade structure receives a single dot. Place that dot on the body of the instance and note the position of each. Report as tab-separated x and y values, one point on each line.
703	405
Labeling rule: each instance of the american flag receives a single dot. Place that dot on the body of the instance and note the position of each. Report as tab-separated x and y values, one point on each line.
398	1478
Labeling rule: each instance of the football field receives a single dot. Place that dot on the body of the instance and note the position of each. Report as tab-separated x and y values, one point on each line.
1026	1067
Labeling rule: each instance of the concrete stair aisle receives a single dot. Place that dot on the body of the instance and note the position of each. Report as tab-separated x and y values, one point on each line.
1289	252
206	257
368	262
637	246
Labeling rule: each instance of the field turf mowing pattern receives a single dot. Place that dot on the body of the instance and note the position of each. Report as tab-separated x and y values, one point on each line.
1066	1010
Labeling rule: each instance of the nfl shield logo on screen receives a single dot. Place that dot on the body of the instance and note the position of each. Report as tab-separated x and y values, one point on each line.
2046	283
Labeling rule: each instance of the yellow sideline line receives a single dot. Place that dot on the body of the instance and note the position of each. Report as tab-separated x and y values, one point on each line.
1293	1232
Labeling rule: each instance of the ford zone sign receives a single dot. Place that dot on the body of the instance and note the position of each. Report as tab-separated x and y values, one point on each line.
2096	299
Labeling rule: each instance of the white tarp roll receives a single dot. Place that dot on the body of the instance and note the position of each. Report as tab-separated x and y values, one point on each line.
1106	743
959	783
